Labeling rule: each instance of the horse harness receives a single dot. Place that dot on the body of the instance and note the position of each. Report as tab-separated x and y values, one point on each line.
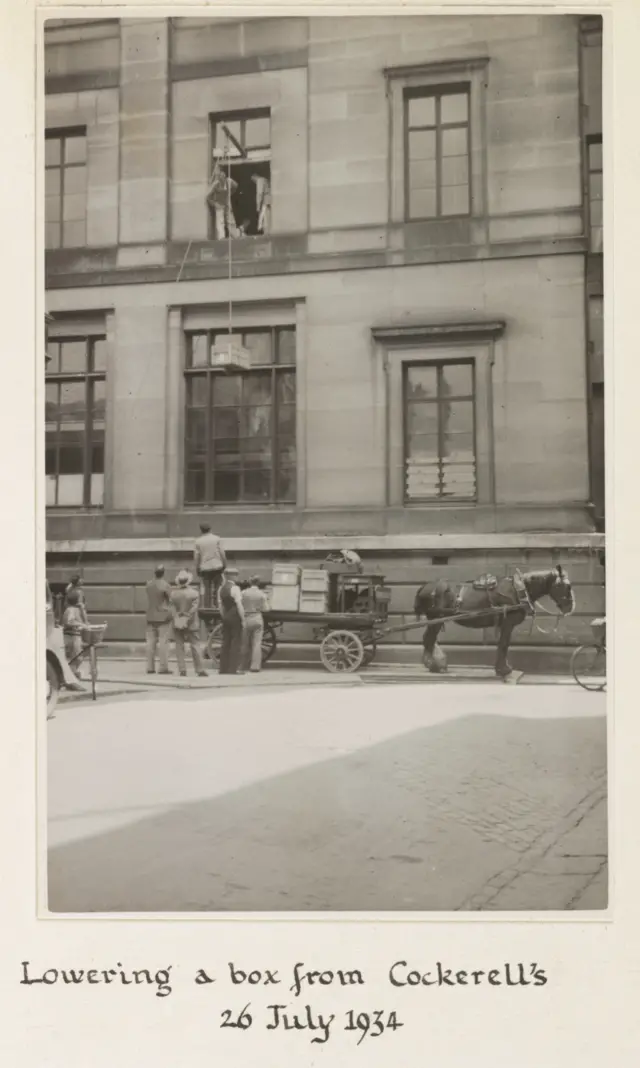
489	584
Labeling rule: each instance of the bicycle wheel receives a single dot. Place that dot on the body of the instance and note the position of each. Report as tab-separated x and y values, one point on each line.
589	667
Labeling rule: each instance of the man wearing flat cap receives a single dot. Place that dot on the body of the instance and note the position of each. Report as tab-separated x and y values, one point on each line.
186	623
232	615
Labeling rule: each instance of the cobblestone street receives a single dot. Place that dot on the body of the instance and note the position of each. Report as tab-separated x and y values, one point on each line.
450	797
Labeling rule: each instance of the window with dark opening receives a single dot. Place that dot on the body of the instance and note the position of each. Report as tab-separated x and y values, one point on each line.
241	151
75	421
439	414
437	151
65	179
240	442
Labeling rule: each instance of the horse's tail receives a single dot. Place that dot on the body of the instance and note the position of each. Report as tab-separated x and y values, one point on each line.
418	606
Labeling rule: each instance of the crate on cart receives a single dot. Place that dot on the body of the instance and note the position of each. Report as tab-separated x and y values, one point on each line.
285	575
284	598
314	580
313	602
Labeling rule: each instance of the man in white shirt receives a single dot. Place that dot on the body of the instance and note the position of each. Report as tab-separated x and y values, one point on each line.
210	561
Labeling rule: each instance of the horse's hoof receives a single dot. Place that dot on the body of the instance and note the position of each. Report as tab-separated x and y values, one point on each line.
513	677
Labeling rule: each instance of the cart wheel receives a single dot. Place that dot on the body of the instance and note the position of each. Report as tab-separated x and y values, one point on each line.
53	688
342	650
214	644
269	643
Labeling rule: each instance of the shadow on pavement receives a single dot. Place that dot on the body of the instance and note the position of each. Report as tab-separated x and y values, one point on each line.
420	821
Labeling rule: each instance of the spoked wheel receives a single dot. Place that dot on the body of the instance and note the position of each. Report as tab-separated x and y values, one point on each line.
53	688
214	644
589	667
342	650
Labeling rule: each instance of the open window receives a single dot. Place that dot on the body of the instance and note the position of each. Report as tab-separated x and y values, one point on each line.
239	191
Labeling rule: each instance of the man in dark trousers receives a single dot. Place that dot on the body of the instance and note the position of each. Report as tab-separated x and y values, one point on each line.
210	561
232	614
186	623
158	622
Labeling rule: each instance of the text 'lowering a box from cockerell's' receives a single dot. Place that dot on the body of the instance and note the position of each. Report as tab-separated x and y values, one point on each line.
245	997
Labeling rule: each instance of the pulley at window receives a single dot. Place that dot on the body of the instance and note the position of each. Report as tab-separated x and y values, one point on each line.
229	354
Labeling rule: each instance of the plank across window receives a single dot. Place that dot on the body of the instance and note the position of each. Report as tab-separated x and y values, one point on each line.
240	435
437	152
75	421
439	431
65	188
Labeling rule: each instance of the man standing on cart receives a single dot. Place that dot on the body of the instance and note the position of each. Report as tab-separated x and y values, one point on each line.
210	561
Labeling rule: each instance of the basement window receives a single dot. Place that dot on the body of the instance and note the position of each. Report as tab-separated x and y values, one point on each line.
239	191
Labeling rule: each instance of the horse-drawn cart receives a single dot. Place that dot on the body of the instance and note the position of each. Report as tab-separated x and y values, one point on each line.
348	636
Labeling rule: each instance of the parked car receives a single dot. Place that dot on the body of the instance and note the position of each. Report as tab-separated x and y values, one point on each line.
59	673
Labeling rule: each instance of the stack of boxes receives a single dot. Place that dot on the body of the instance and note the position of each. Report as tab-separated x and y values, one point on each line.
285	589
314	590
293	590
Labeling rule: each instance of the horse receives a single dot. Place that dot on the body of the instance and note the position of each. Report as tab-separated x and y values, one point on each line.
501	603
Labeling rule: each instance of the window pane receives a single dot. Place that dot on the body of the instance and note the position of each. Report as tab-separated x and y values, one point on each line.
226	486
73	207
595	187
422	382
52	182
71	460
53	351
72	401
221	140
73	356
75	180
257	485
260	347
455	170
99	400
75	149
197	391
455	200
457	379
195	489
97	490
286	388
457	417
595	156
74	235
595	212
454	107
257	421
50	460
422	144
422	203
198	350
196	429
97	452
286	419
257	133
455	142
287	345
257	389
422	110
51	150
424	447
226	389
51	484
52	235
287	452
287	484
226	423
100	354
422	419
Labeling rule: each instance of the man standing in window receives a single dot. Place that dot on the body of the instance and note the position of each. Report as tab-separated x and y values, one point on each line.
232	613
210	561
158	622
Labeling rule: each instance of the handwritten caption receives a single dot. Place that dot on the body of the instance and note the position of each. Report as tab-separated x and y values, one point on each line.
290	1014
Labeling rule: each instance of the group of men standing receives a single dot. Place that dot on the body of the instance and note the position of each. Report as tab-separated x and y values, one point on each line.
173	613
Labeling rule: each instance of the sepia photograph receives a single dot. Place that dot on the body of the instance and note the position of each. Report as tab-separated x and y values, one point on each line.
324	473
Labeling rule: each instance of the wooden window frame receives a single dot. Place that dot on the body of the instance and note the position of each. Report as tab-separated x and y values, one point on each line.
593	139
436	93
275	369
438	402
88	378
242	116
63	134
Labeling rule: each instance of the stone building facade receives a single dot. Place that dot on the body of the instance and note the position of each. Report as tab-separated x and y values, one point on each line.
421	297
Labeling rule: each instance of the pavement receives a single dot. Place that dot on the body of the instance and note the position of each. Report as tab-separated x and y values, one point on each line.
330	797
